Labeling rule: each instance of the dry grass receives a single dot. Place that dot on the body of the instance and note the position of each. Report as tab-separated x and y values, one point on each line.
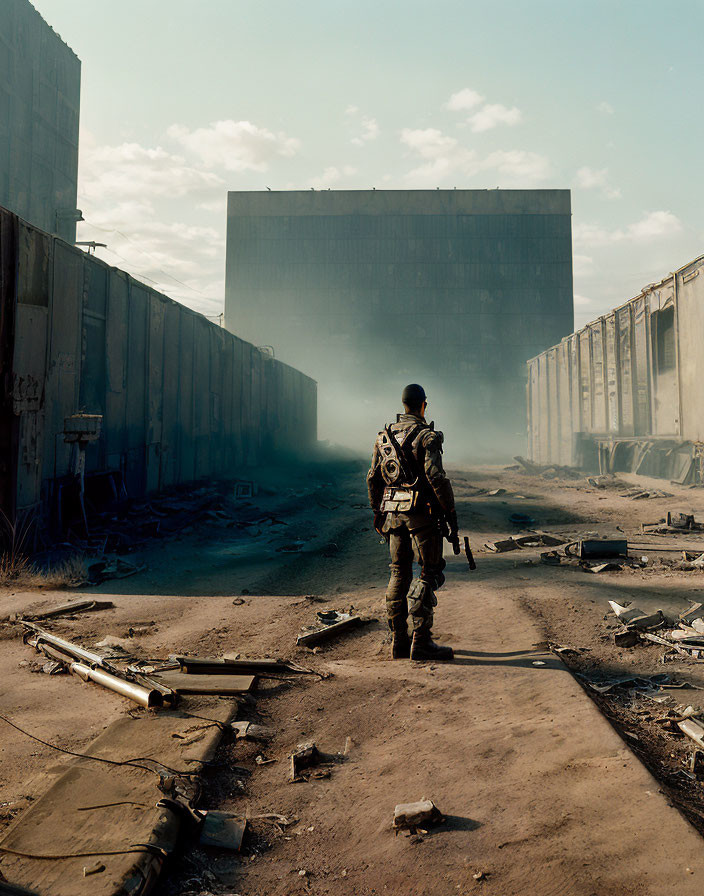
17	570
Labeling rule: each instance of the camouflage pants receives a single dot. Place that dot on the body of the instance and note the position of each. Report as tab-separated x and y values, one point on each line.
404	596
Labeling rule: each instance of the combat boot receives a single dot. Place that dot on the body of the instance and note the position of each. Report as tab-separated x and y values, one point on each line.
400	645
424	648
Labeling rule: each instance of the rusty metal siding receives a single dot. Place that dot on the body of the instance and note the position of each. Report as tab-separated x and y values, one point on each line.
137	345
186	427
690	327
181	399
625	370
611	375
636	373
9	434
116	350
169	455
64	356
641	367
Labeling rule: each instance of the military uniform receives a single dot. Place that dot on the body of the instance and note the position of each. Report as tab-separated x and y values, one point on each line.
413	494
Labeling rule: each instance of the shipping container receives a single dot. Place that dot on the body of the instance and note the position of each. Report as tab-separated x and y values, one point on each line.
625	392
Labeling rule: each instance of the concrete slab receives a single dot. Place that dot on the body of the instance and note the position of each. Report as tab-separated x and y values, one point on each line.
107	814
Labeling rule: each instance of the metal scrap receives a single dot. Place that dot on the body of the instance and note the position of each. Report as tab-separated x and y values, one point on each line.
333	624
515	543
222	829
91	666
307	756
75	606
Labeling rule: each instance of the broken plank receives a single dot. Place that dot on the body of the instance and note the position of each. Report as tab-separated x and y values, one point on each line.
228	666
184	683
76	606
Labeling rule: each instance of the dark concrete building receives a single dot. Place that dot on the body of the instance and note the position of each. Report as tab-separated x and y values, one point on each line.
368	290
40	87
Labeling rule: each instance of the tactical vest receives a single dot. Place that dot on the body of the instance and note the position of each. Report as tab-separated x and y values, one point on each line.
406	488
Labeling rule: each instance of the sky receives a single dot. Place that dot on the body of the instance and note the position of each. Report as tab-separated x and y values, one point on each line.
183	101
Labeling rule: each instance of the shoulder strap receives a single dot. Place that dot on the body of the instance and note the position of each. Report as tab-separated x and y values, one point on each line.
409	474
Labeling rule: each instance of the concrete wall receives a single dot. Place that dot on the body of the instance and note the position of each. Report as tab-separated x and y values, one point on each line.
181	398
632	376
369	290
40	82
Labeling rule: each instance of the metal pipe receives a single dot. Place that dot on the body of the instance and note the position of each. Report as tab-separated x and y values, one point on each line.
80	662
143	696
73	650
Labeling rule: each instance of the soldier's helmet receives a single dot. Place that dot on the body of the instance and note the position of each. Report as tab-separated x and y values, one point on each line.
413	395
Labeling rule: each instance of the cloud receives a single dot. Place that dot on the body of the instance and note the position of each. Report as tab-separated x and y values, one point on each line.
582	301
605	108
486	115
593	179
235	145
131	170
331	175
492	115
370	131
366	128
443	155
518	164
652	226
463	100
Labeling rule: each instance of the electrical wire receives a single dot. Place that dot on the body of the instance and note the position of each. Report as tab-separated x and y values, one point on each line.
76	855
133	763
146	255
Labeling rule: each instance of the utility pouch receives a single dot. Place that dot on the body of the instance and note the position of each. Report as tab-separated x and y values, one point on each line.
398	500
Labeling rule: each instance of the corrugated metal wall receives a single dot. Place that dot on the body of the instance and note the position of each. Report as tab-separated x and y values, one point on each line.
181	398
635	373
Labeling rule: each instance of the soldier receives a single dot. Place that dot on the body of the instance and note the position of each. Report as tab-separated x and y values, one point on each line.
411	497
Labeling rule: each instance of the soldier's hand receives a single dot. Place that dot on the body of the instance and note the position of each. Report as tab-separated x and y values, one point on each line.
378	521
452	522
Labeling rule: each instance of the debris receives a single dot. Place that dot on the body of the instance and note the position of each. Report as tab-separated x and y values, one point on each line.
608	566
632	617
496	492
229	665
525	541
222	829
76	606
692	613
693	729
262	760
112	569
410	815
695	763
334	623
308	755
251	731
244	490
521	519
91	666
52	667
601	549
93	868
181	683
679	520
479	875
626	638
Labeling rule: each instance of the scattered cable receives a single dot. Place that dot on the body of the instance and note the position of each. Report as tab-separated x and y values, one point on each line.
146	255
75	855
133	763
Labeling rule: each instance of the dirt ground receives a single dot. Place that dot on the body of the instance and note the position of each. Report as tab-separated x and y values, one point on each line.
541	793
